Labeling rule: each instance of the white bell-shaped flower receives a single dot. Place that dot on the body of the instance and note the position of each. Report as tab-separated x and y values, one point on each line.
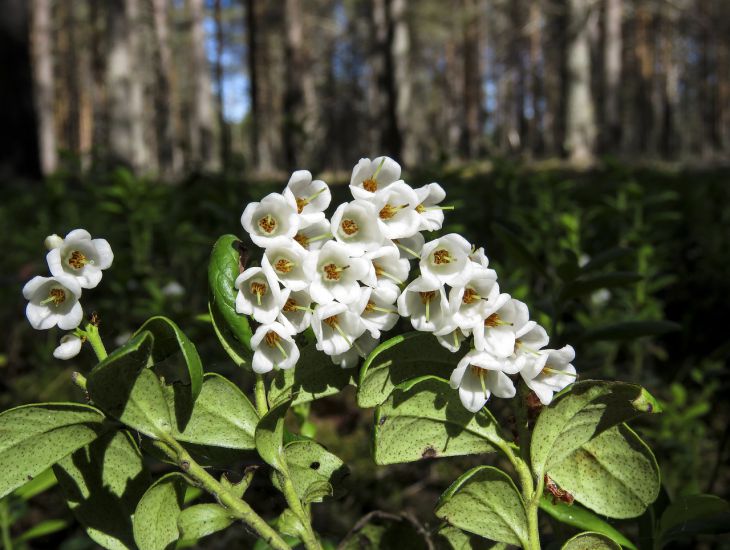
273	347
273	217
335	274
447	259
53	301
360	348
479	257
259	294
314	236
81	257
53	241
336	328
396	207
470	301
497	334
68	348
355	225
296	313
388	268
424	301
286	258
478	376
453	338
550	372
309	198
377	309
431	216
410	248
370	176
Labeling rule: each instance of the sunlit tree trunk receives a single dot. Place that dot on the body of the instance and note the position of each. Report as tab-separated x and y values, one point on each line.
580	119
43	83
473	79
201	119
169	154
402	62
225	135
612	46
536	84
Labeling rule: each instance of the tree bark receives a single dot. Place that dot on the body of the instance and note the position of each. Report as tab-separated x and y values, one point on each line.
536	84
472	76
168	150
401	52
225	134
580	118
201	119
612	47
44	85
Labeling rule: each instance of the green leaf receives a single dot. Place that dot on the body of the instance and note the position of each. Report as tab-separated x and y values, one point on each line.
34	437
223	269
269	436
38	485
102	484
289	524
155	520
230	345
694	515
590	541
577	516
629	330
589	283
582	413
449	537
169	340
399	359
202	520
238	489
313	469
424	418
614	474
485	501
123	388
314	377
222	416
42	529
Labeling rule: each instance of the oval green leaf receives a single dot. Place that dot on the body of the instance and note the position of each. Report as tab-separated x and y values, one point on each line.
314	377
582	518
424	418
402	358
614	474
169	340
131	393
269	436
222	416
694	515
485	501
223	269
314	471
449	537
156	516
34	437
581	413
202	520
590	541
102	483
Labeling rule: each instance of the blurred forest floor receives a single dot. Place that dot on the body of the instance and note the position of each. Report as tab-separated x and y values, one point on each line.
628	264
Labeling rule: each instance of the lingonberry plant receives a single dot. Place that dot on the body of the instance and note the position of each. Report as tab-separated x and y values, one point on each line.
305	308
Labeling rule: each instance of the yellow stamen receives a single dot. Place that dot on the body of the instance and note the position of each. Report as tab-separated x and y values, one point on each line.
349	227
441	256
388	211
370	307
494	321
284	265
77	260
470	296
332	272
55	295
332	322
302	240
380	272
268	223
259	289
548	370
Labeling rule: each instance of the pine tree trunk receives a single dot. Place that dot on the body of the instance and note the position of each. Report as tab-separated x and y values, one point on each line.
612	47
169	154
401	52
580	119
225	135
201	119
44	85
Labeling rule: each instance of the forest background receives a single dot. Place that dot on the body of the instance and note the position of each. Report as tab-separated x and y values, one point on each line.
585	143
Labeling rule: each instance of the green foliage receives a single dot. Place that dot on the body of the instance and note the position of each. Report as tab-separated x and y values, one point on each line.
313	378
590	541
156	516
34	437
485	501
269	436
314	471
102	483
202	520
693	515
424	418
399	359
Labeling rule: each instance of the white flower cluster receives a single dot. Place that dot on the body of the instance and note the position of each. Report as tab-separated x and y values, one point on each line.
348	278
75	263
